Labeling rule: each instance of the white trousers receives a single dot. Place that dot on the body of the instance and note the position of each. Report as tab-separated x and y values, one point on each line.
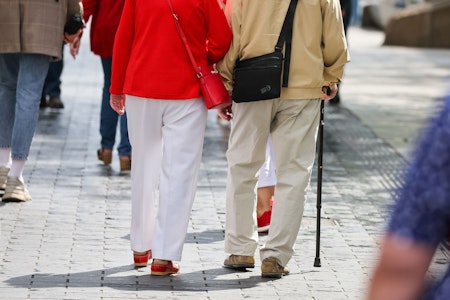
293	126
167	142
267	175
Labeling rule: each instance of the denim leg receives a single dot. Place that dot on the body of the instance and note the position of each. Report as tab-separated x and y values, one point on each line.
52	85
124	147
9	68
22	102
108	117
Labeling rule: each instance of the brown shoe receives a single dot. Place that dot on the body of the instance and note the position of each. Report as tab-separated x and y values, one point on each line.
270	268
15	191
125	163
55	102
105	155
239	262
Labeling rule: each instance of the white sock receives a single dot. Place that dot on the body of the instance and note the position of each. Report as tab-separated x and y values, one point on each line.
16	168
5	157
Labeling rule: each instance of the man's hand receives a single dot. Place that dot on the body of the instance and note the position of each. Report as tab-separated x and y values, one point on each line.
331	94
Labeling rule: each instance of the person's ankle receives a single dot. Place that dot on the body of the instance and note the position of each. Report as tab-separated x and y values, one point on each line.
160	261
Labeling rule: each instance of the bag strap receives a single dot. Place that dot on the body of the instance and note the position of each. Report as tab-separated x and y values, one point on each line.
286	36
197	69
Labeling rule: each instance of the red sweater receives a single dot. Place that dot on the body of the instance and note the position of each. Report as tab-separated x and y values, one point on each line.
149	58
105	20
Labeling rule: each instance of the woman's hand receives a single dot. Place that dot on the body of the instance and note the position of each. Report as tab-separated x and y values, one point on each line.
225	113
117	103
74	40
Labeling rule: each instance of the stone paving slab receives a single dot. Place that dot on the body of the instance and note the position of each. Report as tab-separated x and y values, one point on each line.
72	240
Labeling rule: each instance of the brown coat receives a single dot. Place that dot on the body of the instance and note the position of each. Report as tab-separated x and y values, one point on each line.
35	26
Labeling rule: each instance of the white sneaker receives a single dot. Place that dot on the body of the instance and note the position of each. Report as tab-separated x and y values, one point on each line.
3	175
15	191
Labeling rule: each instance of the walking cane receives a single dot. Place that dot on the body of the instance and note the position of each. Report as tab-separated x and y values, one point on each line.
319	180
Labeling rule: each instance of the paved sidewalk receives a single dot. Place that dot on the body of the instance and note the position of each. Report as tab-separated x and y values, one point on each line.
72	240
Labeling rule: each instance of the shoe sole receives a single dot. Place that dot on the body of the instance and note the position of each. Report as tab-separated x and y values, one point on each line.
272	275
140	265
240	267
12	199
162	273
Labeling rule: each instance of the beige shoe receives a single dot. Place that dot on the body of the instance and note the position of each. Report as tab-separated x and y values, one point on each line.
15	191
239	262
3	175
270	268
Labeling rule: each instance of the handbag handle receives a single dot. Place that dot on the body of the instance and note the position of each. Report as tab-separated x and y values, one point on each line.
197	69
286	36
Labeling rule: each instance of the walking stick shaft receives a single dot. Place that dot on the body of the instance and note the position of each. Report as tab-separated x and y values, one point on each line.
317	262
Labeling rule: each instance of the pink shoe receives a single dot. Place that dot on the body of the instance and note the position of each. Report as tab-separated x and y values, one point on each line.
264	221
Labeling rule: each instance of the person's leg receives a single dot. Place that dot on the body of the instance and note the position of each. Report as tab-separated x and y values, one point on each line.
9	69
250	128
294	142
145	135
30	80
265	194
267	180
108	117
52	85
183	135
266	187
124	147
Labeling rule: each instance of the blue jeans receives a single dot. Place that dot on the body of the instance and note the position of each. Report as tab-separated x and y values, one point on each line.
21	80
52	83
109	118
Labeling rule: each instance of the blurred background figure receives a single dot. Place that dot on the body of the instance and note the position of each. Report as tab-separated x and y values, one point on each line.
346	9
420	221
105	20
52	85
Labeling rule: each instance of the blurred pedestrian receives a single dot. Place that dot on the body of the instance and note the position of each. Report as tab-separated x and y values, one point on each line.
30	40
153	78
419	222
346	9
105	20
319	53
52	84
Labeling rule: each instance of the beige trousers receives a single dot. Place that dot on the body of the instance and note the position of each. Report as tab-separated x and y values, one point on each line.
293	125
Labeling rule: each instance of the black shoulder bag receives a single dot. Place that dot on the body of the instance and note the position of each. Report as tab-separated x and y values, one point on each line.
259	78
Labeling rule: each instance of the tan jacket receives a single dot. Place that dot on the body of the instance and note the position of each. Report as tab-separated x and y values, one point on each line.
319	48
35	26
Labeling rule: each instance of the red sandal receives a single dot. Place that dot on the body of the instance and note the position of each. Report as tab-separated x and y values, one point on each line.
164	269
141	258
